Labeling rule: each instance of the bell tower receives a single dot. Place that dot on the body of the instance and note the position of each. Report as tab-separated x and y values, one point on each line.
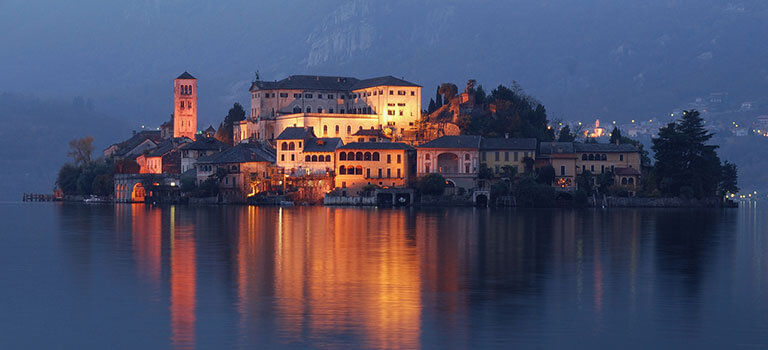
185	106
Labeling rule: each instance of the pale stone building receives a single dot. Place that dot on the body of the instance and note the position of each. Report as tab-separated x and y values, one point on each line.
185	106
333	106
300	152
384	164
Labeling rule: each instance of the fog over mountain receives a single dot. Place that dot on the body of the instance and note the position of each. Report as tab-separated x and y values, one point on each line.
610	59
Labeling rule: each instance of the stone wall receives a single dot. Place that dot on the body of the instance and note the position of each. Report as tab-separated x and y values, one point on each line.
675	202
341	200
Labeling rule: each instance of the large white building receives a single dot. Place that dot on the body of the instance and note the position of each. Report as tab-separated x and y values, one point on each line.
332	106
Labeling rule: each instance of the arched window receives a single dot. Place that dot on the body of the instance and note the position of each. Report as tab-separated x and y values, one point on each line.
375	156
361	128
314	158
349	129
427	156
291	146
359	156
342	170
342	156
284	147
466	156
603	157
351	156
328	158
623	180
367	156
583	157
309	109
597	157
306	158
358	170
591	157
337	129
631	181
297	109
325	129
319	109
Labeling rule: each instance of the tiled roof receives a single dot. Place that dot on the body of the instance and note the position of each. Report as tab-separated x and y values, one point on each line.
327	83
186	75
205	144
376	145
459	141
555	147
297	133
135	140
242	153
162	149
210	129
369	132
507	143
325	144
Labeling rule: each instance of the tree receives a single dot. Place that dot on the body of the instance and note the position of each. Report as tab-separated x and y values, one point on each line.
529	163
225	133
584	181
546	175
80	150
684	159
480	95
67	179
438	99
565	135
431	109
449	91
729	178
530	193
605	181
616	135
432	184
484	172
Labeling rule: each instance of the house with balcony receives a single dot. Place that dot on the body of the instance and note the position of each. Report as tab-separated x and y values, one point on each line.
238	169
456	158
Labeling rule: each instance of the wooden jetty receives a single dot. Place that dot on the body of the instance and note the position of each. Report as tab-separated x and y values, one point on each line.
33	197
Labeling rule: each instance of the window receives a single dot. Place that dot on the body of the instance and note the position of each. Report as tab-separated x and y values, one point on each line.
466	168
283	94
349	129
266	95
330	110
309	109
328	158
583	157
591	157
282	157
413	93
484	155
181	104
367	156
389	172
398	172
342	97
426	156
603	157
401	104
391	92
368	172
314	158
602	169
496	156
342	156
307	158
342	170
426	168
320	96
466	157
399	159
296	95
297	109
325	129
374	93
293	157
307	95
284	147
376	156
506	156
330	97
401	93
380	173
592	168
359	156
389	158
351	155
291	146
621	157
319	109
562	170
337	127
341	111
299	144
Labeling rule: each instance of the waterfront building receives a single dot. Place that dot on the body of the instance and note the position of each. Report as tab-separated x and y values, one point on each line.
237	169
499	153
163	159
569	159
301	153
203	146
333	106
457	158
383	164
134	146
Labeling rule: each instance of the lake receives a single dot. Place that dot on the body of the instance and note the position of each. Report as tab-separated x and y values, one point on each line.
135	276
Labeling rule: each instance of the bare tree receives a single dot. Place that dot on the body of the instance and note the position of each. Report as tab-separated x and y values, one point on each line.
80	150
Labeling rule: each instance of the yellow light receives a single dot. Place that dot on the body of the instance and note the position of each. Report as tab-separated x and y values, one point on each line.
633	120
173	184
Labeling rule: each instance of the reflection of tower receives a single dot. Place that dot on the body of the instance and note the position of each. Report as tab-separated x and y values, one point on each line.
185	106
183	284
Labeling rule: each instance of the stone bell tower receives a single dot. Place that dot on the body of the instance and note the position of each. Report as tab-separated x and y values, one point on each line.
185	106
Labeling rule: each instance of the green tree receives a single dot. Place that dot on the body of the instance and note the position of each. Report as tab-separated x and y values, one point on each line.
480	95
605	181
565	134
484	172
80	150
532	194
431	109
729	178
432	184
67	179
546	175
449	91
438	99
684	159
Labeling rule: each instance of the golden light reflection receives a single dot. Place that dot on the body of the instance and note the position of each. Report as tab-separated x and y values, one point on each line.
183	284
146	227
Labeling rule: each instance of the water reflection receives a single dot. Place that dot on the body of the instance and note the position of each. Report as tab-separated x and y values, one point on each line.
372	278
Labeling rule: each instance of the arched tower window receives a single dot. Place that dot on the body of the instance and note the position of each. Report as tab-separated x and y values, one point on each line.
291	146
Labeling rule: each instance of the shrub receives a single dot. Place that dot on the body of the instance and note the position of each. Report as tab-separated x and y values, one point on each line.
530	193
432	184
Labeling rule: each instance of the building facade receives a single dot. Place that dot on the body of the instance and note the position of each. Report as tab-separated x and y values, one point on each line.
333	106
384	164
569	159
301	153
456	158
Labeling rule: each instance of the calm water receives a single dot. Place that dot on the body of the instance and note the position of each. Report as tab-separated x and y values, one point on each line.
132	276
